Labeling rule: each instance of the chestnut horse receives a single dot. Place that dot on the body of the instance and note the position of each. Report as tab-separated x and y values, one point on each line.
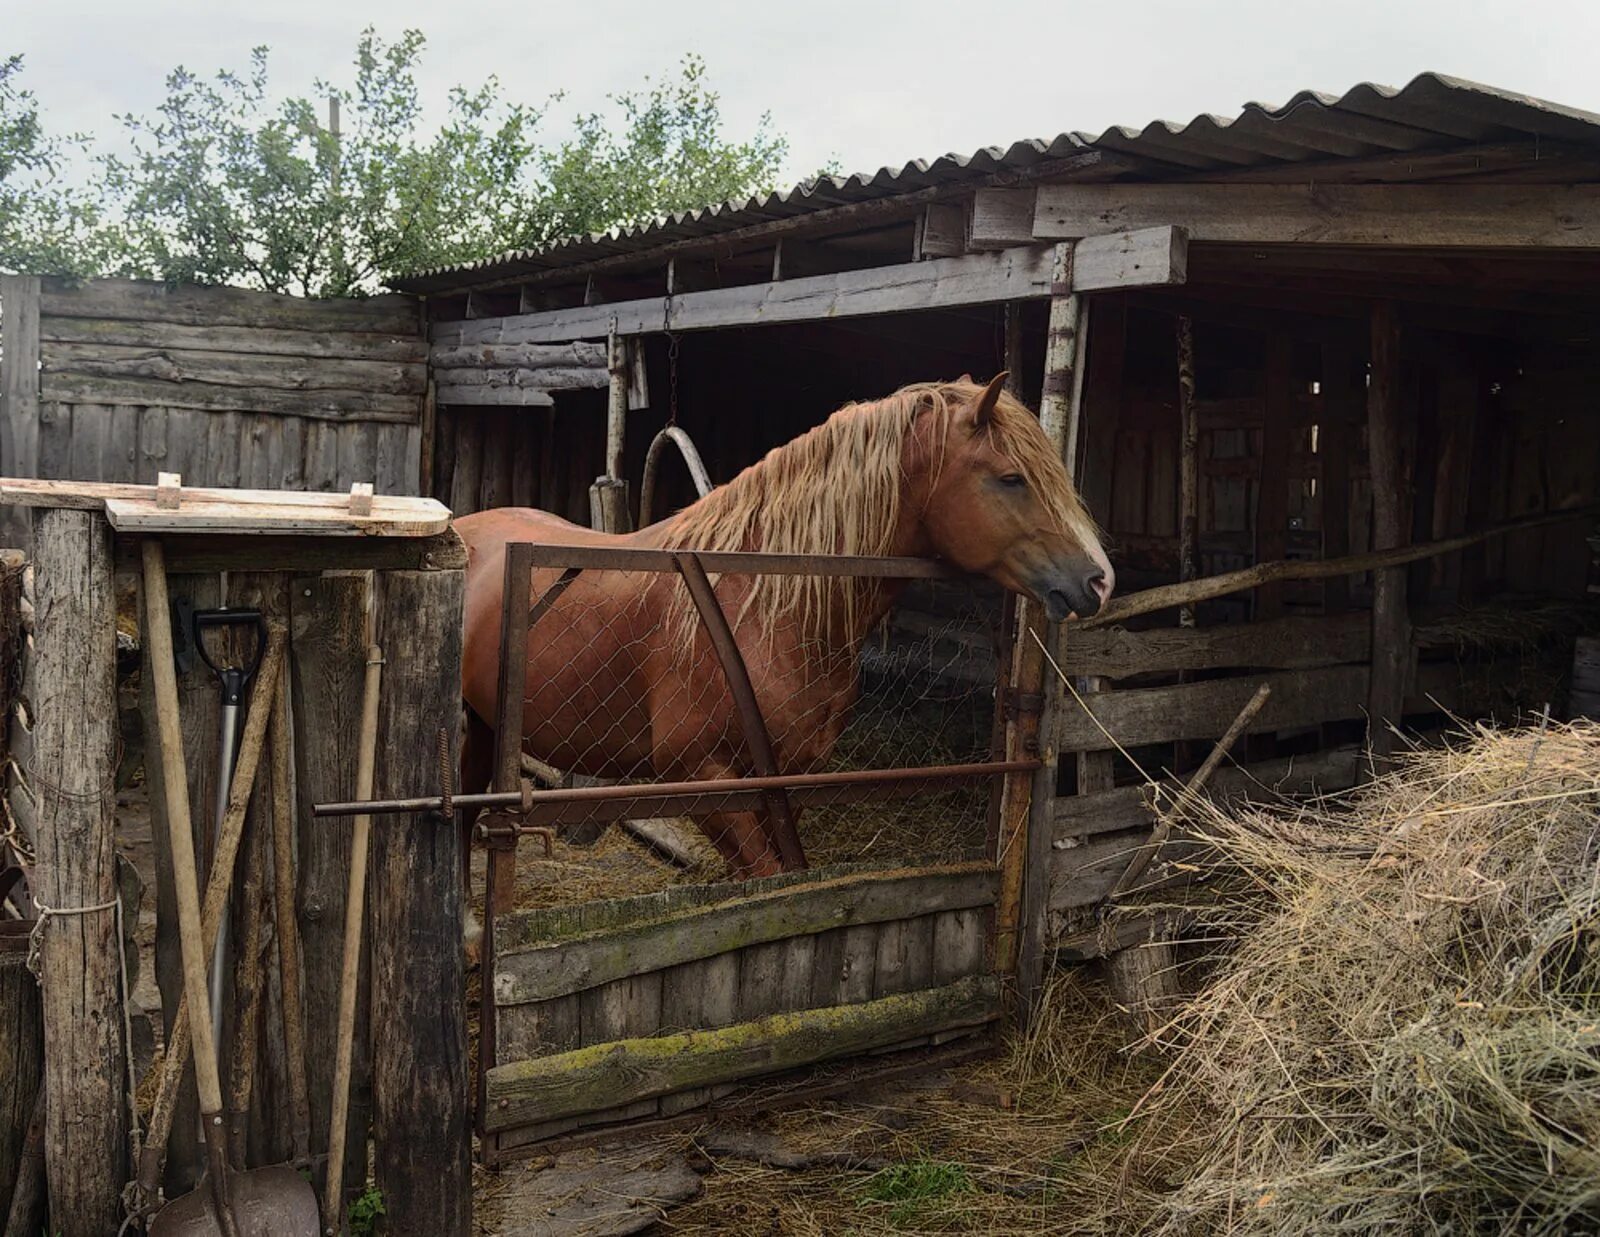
622	679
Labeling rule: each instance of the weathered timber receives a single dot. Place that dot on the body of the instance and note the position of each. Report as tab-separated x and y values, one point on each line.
1130	807
19	389
75	734
1490	216
1002	217
264	371
1148	257
1083	875
1166	596
941	231
1020	933
26	1215
200	553
610	1075
21	1053
341	404
517	356
975	279
1391	529
524	378
532	973
419	1074
251	341
700	996
208	305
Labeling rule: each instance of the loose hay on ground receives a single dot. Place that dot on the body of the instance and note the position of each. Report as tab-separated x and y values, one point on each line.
1407	1038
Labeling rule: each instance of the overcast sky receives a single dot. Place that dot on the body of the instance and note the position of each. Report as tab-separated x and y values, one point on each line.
868	83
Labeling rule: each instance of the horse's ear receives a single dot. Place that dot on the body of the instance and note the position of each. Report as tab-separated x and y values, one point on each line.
983	406
964	378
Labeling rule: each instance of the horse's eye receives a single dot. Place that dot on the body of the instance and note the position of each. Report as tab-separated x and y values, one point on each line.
1014	480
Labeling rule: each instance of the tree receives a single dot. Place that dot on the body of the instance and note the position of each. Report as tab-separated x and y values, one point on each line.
223	186
46	227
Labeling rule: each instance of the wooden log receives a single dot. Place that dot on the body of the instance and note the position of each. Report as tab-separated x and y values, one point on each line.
1144	982
250	341
537	972
1296	643
200	305
328	644
19	390
975	279
75	733
518	356
466	395
421	1098
1487	216
1391	528
1120	609
609	1075
21	1055
333	404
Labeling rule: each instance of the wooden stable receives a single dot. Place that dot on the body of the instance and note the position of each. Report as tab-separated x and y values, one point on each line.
1338	326
335	580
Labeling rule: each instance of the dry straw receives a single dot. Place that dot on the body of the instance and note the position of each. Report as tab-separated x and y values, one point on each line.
1407	1037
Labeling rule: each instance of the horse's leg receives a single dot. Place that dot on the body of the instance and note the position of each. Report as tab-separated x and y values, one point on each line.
477	770
742	842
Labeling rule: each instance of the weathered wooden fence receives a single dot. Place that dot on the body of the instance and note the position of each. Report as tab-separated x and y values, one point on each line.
116	380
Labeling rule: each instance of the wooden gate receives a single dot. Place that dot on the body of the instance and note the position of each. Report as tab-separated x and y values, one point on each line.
644	1007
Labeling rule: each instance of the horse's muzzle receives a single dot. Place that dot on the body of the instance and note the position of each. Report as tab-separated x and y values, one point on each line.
1078	592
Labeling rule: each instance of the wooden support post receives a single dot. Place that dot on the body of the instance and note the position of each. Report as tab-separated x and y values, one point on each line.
75	733
1343	395
608	496
1188	465
1391	527
328	643
1014	384
1272	502
19	392
420	1091
1022	923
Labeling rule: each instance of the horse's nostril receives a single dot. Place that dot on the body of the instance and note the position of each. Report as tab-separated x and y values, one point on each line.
1101	586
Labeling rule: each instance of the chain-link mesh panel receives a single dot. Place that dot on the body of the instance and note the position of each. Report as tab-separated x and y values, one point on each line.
626	684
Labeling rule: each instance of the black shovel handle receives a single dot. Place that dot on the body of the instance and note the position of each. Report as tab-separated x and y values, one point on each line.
232	678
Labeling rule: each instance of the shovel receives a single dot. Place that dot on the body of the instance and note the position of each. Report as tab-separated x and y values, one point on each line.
263	1202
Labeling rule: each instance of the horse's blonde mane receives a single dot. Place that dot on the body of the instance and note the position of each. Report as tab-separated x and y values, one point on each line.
855	458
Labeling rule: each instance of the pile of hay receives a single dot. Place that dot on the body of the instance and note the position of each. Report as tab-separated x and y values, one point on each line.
1407	1036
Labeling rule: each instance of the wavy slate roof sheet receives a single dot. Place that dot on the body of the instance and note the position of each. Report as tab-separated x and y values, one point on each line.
1432	112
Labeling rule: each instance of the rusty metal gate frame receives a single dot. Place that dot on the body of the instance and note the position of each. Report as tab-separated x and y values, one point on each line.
519	809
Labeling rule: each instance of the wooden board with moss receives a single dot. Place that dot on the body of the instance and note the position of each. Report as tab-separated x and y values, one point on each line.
536	971
610	1075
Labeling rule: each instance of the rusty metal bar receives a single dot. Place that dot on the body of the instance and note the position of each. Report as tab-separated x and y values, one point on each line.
726	562
781	832
681	790
547	598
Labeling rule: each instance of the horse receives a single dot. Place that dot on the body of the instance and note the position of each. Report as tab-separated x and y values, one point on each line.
622	680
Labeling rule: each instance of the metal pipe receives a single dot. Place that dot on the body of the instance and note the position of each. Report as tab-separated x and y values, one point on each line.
660	790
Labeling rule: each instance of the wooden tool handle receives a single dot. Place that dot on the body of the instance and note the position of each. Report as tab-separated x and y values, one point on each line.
354	908
180	832
288	929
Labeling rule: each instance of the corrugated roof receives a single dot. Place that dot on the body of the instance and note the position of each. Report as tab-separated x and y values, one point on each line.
1432	112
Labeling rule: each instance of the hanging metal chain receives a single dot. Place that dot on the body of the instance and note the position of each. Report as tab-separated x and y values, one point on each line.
672	378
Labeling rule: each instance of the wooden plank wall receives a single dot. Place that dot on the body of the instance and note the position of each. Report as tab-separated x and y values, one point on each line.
698	958
1503	430
227	387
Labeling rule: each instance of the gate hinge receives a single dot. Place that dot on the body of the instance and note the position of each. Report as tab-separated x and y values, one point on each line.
1023	704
